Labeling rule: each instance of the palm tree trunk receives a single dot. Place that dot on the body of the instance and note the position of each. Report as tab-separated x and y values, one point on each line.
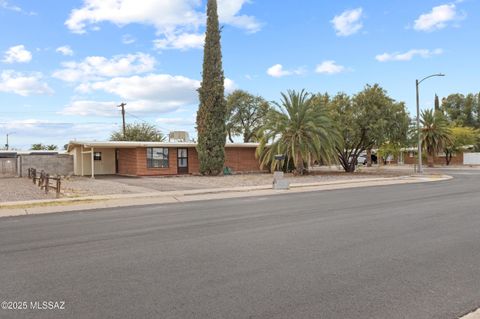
430	159
299	167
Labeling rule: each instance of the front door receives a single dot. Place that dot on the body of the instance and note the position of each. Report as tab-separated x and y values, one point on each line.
182	160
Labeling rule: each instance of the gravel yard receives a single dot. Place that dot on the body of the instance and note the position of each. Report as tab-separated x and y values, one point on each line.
19	189
105	185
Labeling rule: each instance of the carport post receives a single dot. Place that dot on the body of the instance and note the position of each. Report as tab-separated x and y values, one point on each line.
93	162
81	159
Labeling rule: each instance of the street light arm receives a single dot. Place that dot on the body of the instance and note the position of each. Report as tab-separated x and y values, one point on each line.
430	76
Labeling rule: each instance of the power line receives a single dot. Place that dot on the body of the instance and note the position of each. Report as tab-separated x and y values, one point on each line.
138	118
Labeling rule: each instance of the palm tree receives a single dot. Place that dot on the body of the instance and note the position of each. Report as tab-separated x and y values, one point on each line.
299	128
436	134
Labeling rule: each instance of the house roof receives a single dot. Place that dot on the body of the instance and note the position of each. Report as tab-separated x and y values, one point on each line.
121	144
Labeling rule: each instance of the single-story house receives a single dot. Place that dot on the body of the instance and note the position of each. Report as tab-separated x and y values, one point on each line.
92	158
465	156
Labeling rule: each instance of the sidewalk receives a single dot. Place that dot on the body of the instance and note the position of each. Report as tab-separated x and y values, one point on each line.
123	200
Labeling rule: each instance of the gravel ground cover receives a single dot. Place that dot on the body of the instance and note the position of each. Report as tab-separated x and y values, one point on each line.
106	185
19	189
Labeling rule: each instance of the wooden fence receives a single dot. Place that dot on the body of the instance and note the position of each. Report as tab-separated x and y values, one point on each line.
45	181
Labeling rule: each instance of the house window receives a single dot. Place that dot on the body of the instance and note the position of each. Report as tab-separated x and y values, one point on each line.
97	156
157	157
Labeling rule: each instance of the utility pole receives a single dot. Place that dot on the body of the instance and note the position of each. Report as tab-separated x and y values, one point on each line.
122	105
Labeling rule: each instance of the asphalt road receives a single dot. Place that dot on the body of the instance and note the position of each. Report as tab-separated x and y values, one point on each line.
409	251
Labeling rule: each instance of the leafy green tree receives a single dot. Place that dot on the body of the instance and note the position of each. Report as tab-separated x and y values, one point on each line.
300	129
138	132
461	137
437	103
38	147
463	110
246	114
369	119
435	134
51	147
212	112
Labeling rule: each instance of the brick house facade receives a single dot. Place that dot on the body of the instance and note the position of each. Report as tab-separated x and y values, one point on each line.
154	159
411	158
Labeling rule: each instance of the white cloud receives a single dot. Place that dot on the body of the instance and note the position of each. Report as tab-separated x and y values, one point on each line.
23	84
65	50
92	108
407	56
44	131
277	71
153	93
4	4
437	19
229	85
170	124
98	67
348	23
330	67
176	121
228	13
17	54
165	15
182	41
128	39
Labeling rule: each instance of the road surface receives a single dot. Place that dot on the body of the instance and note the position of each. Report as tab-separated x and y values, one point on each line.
408	251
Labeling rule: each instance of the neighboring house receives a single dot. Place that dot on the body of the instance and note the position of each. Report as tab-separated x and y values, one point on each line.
153	158
463	157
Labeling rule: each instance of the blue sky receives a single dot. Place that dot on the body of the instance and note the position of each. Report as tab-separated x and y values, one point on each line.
65	65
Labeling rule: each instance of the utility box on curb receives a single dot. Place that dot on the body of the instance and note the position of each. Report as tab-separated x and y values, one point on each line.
279	181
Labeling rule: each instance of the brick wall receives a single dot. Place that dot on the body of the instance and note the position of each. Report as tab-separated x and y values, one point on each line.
242	159
134	161
127	161
457	159
193	164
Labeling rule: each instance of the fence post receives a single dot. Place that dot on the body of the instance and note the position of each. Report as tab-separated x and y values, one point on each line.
47	182
34	173
58	186
41	179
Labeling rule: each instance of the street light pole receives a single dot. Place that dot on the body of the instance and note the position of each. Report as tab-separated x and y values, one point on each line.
417	84
8	145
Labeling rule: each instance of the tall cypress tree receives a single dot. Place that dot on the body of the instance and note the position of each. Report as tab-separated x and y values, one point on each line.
437	103
212	111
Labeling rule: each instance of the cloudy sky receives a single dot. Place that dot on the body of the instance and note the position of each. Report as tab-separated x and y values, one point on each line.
65	65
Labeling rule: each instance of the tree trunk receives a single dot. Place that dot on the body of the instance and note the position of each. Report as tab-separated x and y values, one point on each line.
448	158
430	159
299	167
369	157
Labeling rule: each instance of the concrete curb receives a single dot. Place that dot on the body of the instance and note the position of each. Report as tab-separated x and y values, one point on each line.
109	201
472	315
